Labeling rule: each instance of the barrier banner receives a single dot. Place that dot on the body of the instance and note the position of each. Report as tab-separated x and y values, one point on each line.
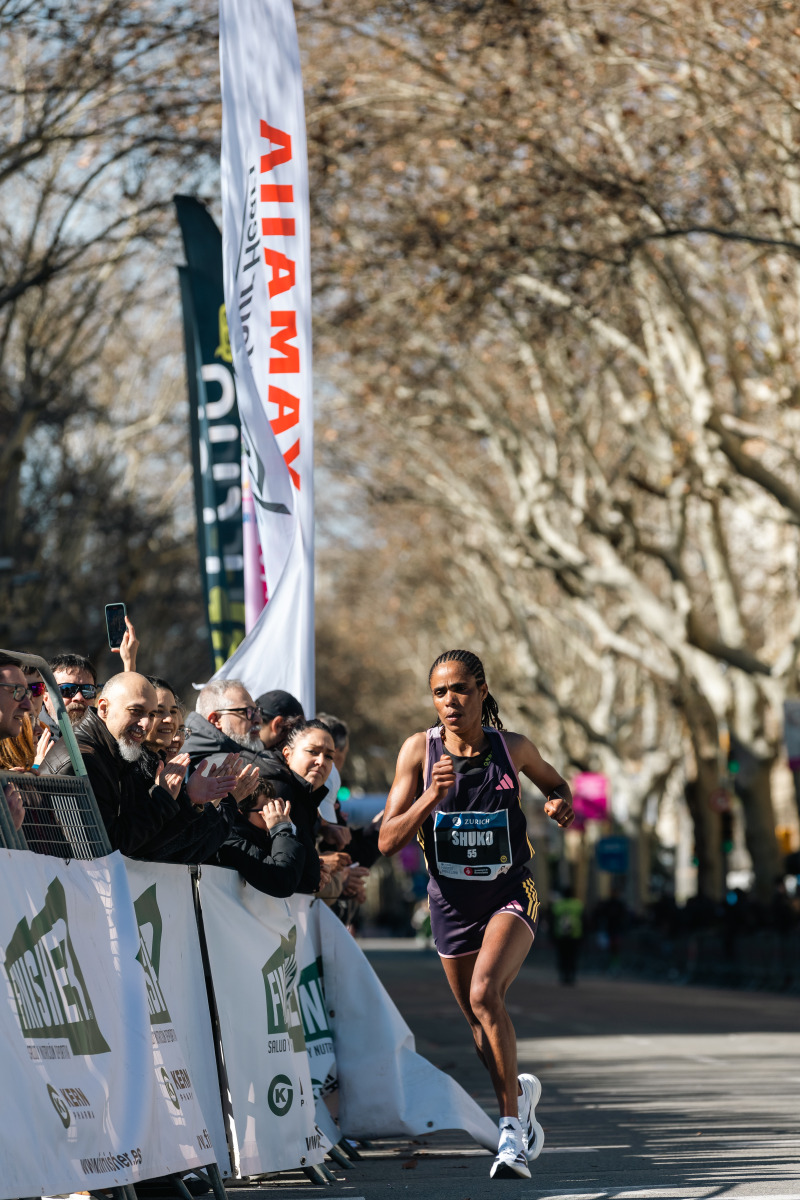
251	941
183	1040
310	985
266	254
75	1038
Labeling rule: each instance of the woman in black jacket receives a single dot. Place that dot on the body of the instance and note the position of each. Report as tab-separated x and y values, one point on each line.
262	846
298	772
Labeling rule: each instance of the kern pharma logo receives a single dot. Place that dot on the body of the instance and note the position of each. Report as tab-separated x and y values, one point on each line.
283	1012
148	918
49	987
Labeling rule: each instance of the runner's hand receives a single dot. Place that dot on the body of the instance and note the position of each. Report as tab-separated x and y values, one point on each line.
560	811
443	777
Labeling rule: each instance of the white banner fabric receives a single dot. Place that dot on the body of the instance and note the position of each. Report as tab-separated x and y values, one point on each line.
266	259
183	1041
385	1088
251	941
75	1041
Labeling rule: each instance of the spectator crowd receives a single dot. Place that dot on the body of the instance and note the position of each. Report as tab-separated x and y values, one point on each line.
247	784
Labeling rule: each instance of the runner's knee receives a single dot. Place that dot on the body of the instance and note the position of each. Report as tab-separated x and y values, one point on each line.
485	996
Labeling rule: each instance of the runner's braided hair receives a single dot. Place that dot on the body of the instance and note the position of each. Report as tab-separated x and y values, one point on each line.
489	713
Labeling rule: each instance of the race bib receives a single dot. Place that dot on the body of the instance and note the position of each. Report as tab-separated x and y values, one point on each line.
472	845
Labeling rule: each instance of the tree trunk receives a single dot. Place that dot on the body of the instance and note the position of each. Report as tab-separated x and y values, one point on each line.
754	789
703	731
707	833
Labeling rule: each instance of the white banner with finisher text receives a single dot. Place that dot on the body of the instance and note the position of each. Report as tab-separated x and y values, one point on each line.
183	1041
266	259
90	1107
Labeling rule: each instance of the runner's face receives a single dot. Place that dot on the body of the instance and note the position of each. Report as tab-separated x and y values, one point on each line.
457	698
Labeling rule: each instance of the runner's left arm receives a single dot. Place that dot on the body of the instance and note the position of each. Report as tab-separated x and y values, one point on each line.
527	759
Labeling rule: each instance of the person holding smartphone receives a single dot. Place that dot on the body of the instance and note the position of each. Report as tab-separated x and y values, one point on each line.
457	788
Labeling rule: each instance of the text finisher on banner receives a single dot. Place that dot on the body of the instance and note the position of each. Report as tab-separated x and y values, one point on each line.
268	302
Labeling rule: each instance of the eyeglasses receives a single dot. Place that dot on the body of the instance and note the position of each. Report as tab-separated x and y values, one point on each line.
249	710
182	729
87	690
18	690
37	688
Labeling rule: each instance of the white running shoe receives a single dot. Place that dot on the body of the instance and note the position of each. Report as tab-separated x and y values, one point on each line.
531	1129
511	1162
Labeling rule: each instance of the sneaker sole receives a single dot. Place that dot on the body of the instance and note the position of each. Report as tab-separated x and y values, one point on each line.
508	1171
534	1149
538	1142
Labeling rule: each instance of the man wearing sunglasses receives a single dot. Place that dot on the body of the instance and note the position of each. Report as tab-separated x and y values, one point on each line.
77	682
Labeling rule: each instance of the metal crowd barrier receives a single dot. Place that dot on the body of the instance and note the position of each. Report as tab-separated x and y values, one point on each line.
61	814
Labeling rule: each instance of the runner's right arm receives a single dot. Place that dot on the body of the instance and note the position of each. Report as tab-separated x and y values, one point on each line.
405	808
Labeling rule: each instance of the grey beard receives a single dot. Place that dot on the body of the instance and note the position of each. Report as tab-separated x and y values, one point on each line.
130	751
248	741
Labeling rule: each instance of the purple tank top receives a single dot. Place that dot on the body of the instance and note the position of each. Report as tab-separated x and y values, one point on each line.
475	840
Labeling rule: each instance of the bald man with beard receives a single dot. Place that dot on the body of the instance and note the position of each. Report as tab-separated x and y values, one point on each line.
135	809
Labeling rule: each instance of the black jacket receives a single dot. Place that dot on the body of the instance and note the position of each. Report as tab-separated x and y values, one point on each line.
205	739
272	863
142	820
195	833
305	801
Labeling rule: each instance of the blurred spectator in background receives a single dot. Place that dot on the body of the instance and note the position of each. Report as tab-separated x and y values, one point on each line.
335	833
280	714
566	915
262	845
362	844
611	918
77	682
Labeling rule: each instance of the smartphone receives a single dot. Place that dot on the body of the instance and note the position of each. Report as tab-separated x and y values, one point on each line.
115	624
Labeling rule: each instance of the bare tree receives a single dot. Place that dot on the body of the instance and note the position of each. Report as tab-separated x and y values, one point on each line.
557	271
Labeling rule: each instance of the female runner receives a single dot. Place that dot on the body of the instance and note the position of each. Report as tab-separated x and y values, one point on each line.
457	789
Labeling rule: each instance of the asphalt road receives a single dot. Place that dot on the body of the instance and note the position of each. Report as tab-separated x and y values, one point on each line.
649	1091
